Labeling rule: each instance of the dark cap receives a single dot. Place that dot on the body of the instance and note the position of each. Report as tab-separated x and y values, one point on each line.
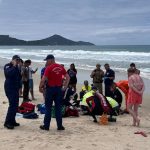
16	57
49	57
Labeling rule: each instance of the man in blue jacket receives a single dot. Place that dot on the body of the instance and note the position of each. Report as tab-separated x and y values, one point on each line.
11	86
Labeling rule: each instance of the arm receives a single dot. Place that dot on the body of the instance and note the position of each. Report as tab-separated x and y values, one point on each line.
24	73
90	103
67	79
42	72
142	87
92	74
89	100
75	71
42	84
134	89
34	71
142	90
112	76
11	70
131	85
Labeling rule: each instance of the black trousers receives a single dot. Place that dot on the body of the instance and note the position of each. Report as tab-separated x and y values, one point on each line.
13	98
25	91
108	93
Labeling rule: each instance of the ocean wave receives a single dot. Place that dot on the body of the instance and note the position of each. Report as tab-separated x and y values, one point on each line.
115	56
80	52
85	59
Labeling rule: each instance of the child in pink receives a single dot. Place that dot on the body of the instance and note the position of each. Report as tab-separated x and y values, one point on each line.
136	89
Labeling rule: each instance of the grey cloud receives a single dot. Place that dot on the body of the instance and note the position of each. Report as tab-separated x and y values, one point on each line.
97	21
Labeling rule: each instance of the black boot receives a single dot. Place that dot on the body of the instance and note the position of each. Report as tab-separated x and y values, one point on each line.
42	127
8	126
61	128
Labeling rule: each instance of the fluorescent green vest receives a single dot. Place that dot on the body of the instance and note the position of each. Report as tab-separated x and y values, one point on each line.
87	95
84	89
112	102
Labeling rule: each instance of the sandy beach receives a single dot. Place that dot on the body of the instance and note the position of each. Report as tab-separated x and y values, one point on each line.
81	133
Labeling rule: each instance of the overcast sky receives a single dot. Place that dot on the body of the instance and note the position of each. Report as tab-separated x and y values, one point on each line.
99	21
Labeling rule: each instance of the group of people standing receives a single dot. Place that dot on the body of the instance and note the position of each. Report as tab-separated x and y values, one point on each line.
99	77
27	80
56	79
133	90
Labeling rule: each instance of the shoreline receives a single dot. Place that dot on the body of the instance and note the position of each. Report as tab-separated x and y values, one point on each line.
40	64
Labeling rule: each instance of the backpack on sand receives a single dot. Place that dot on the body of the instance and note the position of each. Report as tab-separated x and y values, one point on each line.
26	107
41	108
71	112
53	111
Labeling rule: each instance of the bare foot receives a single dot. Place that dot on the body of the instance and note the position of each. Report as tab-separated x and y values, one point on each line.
134	123
138	122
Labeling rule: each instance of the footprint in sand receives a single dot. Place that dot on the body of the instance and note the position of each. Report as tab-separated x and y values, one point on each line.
21	146
129	147
69	147
94	145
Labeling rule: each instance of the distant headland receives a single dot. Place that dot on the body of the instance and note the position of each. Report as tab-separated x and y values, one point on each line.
52	40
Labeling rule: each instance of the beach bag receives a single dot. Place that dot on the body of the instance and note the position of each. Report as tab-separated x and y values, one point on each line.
104	103
71	112
30	115
62	111
26	107
41	108
103	120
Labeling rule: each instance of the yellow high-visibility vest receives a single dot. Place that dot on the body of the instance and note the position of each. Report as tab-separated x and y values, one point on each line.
87	90
87	95
112	102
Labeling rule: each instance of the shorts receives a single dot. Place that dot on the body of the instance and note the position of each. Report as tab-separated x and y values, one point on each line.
30	83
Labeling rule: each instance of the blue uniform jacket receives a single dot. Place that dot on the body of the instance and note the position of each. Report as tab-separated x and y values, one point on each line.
109	73
12	78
